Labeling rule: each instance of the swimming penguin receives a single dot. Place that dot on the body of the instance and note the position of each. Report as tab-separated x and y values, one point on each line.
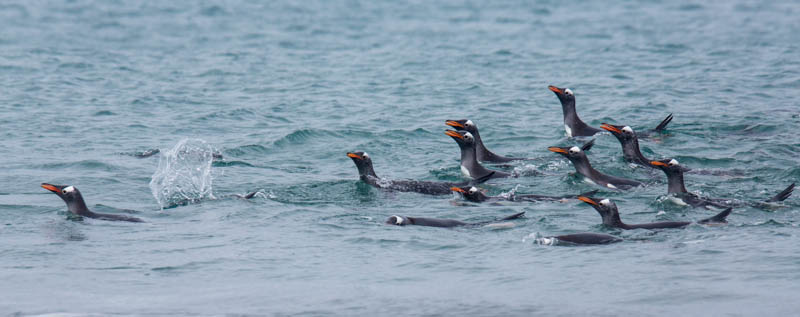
474	194
447	223
483	154
610	214
367	174
578	158
630	144
679	194
578	239
469	161
72	196
574	125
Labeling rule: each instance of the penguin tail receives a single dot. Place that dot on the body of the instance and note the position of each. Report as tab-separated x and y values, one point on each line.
248	196
482	179
663	125
587	146
783	195
512	217
719	218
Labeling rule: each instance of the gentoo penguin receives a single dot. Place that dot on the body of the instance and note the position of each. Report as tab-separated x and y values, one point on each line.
474	194
610	214
574	125
579	238
679	194
444	223
630	144
469	160
72	196
367	174
483	154
581	163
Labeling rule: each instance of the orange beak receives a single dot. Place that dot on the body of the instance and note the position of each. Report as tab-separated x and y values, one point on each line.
353	155
454	124
50	188
657	163
587	200
555	89
454	134
557	149
609	127
456	189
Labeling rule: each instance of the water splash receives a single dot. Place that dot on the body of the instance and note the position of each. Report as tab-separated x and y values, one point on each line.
183	174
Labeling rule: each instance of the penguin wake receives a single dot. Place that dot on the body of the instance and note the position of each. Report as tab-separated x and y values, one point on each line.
183	174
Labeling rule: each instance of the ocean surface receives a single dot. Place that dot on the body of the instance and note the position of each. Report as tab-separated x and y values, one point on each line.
268	96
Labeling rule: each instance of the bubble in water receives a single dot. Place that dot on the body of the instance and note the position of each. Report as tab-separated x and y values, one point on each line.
183	174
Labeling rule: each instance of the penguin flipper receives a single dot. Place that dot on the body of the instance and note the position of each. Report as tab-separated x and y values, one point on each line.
514	216
588	145
248	196
663	125
481	179
719	218
783	195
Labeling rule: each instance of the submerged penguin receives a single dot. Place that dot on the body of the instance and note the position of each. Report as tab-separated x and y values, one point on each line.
449	223
581	163
679	194
482	153
474	194
469	159
74	200
610	214
367	174
574	125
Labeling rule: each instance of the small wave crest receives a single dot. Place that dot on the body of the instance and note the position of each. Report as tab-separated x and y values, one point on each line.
183	173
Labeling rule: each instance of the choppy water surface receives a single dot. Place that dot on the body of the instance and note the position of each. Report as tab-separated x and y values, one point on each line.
282	90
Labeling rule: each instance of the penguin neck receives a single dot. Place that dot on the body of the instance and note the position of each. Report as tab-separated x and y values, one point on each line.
78	207
583	167
480	150
571	118
631	152
614	221
675	183
469	160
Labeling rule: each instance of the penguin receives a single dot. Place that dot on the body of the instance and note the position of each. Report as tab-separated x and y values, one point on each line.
483	154
74	200
610	214
630	144
367	174
574	125
678	194
474	194
470	166
581	163
588	238
447	223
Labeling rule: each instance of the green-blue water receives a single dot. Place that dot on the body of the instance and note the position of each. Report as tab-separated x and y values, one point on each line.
284	89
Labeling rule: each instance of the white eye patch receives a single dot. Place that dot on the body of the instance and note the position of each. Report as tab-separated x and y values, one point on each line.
568	92
468	135
627	129
473	190
673	162
605	202
469	122
365	155
69	189
398	220
574	149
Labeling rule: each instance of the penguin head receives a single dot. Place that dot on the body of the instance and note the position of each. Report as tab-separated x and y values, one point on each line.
574	152
463	125
605	207
669	166
623	133
470	193
363	163
463	138
564	95
71	195
398	221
